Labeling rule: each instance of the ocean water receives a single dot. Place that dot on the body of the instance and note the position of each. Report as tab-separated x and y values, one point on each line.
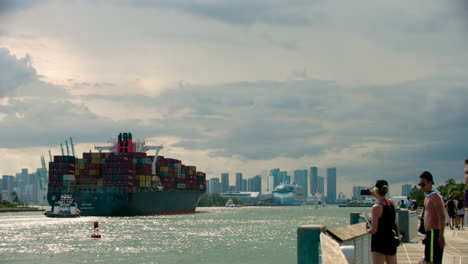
211	235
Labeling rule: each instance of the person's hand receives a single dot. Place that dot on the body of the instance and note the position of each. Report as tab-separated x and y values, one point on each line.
442	242
373	194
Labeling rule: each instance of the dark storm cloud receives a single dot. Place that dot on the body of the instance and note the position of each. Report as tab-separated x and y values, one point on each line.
425	120
257	120
268	119
261	138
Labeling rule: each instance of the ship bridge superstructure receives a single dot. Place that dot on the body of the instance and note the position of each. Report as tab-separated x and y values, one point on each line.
124	144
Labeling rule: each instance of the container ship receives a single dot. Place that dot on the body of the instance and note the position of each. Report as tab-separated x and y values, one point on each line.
125	181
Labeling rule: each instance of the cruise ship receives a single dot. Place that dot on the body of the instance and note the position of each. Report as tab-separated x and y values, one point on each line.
288	194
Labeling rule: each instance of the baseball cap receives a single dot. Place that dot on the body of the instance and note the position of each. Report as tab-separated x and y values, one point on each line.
427	175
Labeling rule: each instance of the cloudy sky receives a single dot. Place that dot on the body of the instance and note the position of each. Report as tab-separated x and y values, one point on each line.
377	89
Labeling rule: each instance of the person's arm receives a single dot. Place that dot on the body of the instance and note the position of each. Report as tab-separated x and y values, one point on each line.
439	210
376	214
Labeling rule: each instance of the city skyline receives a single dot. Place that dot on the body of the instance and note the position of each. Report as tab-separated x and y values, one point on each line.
350	190
259	181
347	189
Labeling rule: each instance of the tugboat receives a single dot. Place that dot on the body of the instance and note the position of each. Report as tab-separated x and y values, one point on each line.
65	207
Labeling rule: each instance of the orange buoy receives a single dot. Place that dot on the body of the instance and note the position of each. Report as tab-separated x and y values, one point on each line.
96	231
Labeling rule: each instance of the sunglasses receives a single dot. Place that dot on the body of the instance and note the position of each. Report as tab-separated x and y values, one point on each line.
421	184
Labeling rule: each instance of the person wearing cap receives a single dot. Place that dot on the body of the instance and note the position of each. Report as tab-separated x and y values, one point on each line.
434	220
383	226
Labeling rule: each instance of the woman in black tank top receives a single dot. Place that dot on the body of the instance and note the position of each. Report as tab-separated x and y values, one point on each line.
383	225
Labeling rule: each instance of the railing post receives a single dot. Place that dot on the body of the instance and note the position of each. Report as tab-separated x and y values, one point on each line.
403	224
354	218
408	224
308	244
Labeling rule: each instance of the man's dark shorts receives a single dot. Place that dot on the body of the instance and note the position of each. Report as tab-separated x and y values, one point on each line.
432	251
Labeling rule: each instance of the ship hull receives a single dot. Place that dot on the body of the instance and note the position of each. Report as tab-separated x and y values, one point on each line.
139	203
288	200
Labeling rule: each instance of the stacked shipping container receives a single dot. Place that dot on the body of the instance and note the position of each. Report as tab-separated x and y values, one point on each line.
122	172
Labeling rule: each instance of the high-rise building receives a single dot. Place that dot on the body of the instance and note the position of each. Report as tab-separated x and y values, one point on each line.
250	184
283	177
270	181
8	183
239	181
276	177
331	185
208	187
244	185
21	181
225	182
321	185
255	184
357	192
300	178
215	185
406	189
313	179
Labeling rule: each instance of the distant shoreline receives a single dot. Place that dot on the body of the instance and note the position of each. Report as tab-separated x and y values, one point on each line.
20	209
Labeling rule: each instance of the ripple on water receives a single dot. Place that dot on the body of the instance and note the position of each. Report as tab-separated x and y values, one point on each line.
240	235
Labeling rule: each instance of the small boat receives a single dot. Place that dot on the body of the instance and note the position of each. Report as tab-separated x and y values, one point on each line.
65	207
230	203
